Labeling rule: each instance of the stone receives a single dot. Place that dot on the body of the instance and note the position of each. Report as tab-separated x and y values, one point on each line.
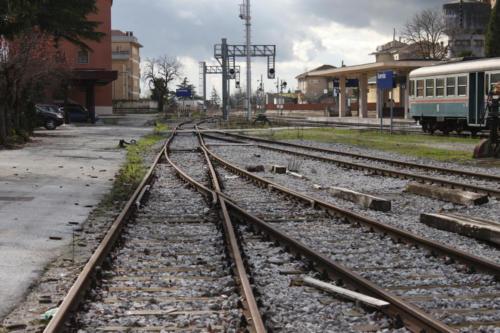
255	168
464	225
446	194
366	200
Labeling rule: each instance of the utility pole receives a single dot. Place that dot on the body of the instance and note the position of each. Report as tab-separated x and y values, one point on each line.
225	93
245	15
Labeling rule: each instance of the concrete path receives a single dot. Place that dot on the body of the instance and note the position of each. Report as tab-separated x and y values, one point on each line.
55	179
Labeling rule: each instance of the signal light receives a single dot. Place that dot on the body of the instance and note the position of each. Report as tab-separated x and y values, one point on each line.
270	73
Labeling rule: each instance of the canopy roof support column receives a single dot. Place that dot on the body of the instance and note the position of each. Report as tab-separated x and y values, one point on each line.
363	96
342	97
379	102
406	95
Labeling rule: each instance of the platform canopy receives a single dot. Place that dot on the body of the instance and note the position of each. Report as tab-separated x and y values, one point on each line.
363	73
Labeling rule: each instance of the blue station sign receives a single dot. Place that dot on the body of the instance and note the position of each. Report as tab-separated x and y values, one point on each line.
384	80
183	93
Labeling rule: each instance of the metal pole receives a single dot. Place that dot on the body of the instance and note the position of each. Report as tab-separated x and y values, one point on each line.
204	87
381	109
225	114
249	62
392	106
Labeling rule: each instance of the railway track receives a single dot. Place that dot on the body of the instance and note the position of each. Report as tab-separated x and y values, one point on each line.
429	284
405	129
162	277
460	179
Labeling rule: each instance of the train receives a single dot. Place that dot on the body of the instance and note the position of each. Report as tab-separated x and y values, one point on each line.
453	96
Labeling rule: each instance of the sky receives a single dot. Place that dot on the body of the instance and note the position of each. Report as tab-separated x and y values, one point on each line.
307	34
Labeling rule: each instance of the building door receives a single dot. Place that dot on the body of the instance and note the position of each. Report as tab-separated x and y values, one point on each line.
476	97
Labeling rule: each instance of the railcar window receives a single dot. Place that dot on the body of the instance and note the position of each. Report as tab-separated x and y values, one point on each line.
439	87
495	78
462	86
450	86
429	87
412	88
420	88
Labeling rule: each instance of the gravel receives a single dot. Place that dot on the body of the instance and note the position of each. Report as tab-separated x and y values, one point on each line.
406	207
403	270
172	258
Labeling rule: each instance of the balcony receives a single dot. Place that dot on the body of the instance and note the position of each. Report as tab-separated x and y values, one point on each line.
121	54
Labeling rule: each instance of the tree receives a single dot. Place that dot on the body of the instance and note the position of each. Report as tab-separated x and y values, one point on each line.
214	98
493	34
32	66
59	18
185	84
159	73
425	30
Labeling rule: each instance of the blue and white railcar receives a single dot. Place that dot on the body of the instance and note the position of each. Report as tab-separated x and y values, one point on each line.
453	96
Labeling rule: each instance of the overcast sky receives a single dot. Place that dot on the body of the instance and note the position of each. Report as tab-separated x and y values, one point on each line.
308	34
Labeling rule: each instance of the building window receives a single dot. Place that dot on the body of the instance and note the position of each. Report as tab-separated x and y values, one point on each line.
450	86
83	57
462	86
420	88
462	43
429	88
439	87
478	43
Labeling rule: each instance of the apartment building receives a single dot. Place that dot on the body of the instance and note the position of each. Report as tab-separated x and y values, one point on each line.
91	70
126	61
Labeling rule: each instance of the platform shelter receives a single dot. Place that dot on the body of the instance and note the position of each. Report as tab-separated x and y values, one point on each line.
363	72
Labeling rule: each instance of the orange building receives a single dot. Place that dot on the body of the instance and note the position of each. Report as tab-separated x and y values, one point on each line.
92	72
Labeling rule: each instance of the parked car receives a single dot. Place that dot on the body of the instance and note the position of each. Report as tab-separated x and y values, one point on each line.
77	113
48	116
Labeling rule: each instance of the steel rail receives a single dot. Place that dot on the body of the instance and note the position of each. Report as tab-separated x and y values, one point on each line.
372	158
398	235
413	318
254	318
388	172
82	283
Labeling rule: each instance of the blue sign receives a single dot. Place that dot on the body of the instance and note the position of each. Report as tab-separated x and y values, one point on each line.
384	80
183	93
349	83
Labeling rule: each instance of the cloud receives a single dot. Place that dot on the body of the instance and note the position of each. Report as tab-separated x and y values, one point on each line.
307	33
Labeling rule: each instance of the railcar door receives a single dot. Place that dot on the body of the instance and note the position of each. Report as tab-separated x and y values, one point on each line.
476	97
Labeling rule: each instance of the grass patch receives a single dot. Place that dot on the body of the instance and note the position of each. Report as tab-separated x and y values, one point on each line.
413	145
160	127
131	173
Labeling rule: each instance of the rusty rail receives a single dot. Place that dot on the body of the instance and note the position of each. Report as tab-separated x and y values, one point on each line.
372	158
404	313
387	172
82	283
399	235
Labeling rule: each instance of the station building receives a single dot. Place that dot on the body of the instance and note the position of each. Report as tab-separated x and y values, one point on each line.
126	61
91	71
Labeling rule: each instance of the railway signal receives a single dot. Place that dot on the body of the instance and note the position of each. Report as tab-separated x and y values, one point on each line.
233	74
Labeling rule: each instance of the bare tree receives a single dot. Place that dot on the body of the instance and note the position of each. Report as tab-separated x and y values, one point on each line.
425	31
32	67
159	73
